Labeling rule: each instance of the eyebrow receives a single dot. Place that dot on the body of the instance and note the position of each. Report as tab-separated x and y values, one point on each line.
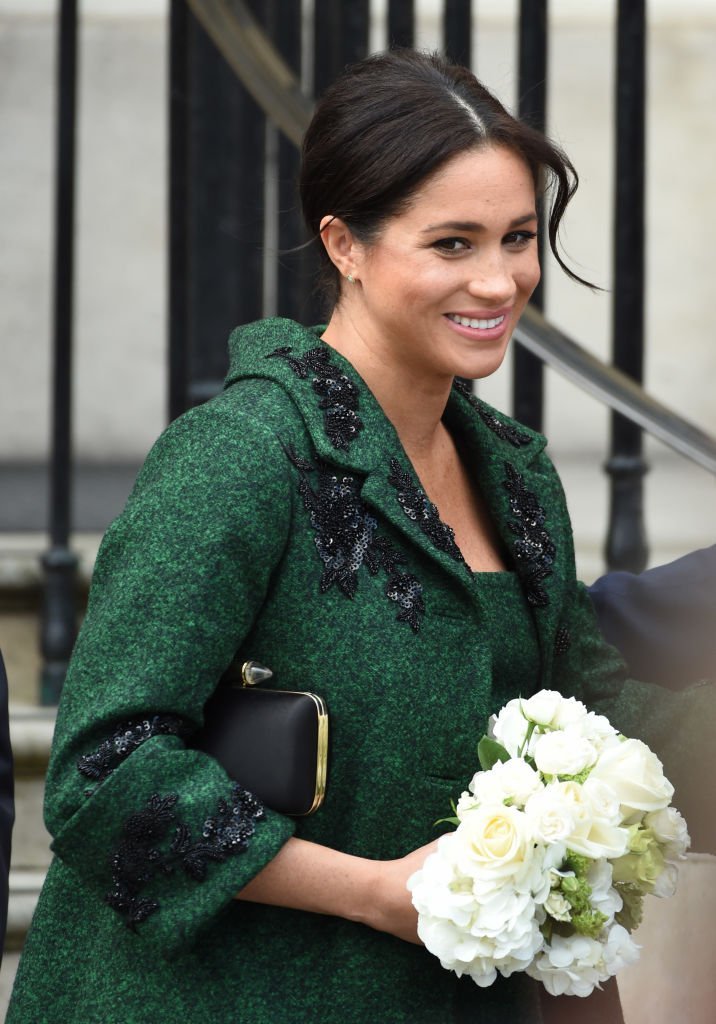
472	225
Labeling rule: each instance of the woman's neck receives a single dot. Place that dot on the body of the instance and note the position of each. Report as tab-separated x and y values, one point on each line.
413	402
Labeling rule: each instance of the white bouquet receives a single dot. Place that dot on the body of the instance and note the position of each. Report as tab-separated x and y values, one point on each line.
561	835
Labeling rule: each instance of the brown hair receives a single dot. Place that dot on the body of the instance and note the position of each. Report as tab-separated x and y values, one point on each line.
392	120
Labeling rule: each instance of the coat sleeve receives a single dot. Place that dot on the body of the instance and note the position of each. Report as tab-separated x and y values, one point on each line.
676	721
662	620
154	829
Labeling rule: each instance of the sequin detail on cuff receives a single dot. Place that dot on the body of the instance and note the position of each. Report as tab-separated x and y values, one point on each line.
418	507
533	548
125	739
505	431
338	394
345	538
140	857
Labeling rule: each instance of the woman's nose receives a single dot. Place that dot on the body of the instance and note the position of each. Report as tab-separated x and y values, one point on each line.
491	281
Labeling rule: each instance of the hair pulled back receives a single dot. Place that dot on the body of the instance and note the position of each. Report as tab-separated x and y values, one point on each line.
388	123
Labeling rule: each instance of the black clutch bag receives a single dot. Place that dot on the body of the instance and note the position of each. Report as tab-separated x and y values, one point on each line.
274	742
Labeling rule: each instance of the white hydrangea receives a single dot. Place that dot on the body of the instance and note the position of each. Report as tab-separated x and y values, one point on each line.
570	965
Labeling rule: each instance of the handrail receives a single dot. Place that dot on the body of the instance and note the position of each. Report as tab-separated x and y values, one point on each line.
614	388
254	59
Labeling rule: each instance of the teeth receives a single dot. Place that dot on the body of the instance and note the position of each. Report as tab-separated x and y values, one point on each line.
482	325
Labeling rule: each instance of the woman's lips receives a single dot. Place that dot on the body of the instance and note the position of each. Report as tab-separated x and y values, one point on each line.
483	323
484	327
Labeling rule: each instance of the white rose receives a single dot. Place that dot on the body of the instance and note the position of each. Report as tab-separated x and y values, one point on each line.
595	728
671	830
569	711
591	836
603	800
486	788
558	907
492	844
465	804
509	727
563	753
550	816
542	707
514	780
635	774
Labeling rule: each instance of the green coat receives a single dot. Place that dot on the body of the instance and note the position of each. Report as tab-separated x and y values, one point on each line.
283	522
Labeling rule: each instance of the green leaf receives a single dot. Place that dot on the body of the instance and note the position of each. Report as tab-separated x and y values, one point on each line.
446	821
489	752
632	912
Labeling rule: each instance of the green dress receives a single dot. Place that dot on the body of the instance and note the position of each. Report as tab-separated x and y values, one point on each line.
283	522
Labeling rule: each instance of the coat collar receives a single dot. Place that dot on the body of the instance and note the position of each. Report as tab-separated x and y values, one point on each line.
348	429
332	397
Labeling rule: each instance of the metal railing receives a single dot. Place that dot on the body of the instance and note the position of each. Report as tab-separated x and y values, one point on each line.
248	63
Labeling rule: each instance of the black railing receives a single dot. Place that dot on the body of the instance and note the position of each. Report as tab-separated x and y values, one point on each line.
240	78
58	623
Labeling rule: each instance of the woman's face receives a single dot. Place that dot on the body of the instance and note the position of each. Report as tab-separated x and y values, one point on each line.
444	284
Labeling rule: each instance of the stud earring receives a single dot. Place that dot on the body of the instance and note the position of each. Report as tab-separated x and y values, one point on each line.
350	279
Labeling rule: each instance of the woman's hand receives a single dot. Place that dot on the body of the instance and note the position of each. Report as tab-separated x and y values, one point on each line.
392	910
307	876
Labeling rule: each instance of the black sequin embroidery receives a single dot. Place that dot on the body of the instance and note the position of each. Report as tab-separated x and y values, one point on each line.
562	640
505	431
125	739
141	857
418	507
345	538
533	548
338	394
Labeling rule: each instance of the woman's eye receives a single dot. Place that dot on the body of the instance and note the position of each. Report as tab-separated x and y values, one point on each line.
519	239
451	244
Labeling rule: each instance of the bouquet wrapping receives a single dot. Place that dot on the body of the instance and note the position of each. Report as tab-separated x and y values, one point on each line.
564	831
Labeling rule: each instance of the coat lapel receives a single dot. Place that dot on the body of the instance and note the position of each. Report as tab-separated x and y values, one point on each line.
510	474
350	432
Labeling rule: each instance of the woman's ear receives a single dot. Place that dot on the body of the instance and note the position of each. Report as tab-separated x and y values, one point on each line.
344	251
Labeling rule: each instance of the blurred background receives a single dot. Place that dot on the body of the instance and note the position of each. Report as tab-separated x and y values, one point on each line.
162	272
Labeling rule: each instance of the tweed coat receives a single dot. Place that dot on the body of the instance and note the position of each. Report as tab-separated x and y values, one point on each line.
283	522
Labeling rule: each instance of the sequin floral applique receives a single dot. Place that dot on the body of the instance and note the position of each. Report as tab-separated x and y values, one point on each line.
418	507
125	739
562	640
346	539
533	548
338	394
141	857
505	431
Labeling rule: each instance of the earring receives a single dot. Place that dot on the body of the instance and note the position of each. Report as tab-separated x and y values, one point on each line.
350	279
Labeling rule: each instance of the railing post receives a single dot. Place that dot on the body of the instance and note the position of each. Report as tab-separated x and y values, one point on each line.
401	22
58	625
457	31
527	370
177	208
626	546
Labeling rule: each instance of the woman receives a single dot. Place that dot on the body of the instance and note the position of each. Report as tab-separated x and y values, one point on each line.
294	520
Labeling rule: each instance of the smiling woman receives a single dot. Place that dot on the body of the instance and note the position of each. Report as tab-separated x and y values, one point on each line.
348	515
